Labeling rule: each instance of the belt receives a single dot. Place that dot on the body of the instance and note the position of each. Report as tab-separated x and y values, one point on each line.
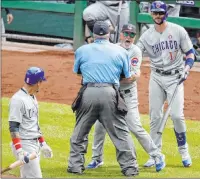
98	85
117	4
31	139
172	72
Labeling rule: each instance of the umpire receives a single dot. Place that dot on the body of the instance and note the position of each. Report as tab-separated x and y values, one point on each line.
101	63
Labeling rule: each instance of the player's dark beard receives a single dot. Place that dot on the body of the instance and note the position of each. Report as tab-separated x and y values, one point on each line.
158	23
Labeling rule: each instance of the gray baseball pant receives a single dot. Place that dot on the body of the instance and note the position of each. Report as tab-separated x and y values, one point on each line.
161	88
31	169
100	103
134	125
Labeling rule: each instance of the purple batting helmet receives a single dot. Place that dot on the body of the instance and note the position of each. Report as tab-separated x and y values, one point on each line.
159	6
34	75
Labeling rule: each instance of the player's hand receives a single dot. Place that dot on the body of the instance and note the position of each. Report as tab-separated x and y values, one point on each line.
9	18
23	155
184	75
46	150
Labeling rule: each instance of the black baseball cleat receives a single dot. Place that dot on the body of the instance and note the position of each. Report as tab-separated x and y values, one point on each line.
75	172
131	172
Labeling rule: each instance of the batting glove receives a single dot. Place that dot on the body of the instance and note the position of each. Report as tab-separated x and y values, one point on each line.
46	150
23	155
184	75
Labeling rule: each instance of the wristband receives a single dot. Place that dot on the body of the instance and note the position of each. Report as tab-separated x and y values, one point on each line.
189	62
17	143
41	140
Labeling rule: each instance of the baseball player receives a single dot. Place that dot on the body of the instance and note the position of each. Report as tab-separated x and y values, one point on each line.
165	44
129	91
9	20
24	125
105	11
101	64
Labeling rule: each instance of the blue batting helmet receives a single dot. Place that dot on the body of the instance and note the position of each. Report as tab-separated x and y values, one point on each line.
34	75
158	6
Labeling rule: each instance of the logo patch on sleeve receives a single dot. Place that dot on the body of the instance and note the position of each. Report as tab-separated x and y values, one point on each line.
134	61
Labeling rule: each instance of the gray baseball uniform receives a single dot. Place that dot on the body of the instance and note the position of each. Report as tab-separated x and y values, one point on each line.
166	55
129	92
103	10
24	109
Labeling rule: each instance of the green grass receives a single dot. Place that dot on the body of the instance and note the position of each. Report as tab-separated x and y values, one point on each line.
57	122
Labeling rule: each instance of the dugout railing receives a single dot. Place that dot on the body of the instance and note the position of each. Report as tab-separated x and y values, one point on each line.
69	18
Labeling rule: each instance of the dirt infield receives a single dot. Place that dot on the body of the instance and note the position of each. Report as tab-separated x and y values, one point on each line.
62	84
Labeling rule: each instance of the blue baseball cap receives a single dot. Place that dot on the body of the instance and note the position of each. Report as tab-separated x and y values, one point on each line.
101	28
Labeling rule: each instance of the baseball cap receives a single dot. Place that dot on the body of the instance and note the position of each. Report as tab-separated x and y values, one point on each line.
129	28
101	28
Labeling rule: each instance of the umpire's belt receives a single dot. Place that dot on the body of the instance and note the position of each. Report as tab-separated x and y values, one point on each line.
99	85
166	73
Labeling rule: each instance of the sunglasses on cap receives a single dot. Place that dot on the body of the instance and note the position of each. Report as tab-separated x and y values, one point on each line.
159	13
130	34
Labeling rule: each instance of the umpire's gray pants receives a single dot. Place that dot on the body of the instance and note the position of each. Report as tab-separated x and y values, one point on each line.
134	125
100	103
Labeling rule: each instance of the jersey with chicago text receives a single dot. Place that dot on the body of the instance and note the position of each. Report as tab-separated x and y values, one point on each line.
166	49
135	56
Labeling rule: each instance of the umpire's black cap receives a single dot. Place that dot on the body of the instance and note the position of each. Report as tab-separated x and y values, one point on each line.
129	28
101	28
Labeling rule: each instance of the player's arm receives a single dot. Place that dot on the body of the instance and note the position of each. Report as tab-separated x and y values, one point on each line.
126	66
135	63
77	62
187	48
140	43
15	118
9	15
189	59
